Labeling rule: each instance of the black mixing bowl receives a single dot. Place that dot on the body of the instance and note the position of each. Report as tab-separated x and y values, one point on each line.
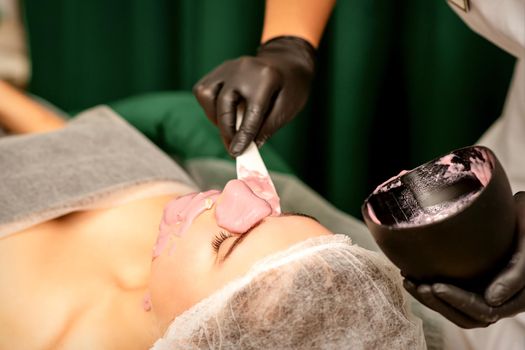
450	220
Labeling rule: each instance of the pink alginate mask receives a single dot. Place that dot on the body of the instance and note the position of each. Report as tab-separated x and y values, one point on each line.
243	204
179	215
240	208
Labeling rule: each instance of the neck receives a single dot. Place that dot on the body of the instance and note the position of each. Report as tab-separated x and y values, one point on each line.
134	327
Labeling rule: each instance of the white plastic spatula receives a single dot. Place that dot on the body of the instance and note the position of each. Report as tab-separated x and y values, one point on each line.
250	166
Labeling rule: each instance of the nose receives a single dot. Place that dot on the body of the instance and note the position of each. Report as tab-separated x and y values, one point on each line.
239	208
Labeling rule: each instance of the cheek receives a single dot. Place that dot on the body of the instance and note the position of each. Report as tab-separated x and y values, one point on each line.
181	275
169	287
174	289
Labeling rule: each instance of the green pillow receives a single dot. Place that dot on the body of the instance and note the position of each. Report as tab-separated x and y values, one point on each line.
177	124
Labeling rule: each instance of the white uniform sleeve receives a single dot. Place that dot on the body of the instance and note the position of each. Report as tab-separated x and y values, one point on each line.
500	21
503	23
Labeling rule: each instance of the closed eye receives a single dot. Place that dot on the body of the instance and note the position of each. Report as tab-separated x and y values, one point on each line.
244	235
218	239
239	240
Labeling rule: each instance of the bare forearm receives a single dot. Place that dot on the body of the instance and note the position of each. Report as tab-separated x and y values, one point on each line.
303	18
19	114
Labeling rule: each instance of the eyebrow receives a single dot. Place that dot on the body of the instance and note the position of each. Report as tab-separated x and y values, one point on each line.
244	235
291	213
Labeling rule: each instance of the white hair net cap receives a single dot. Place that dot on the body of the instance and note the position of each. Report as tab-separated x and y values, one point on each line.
321	293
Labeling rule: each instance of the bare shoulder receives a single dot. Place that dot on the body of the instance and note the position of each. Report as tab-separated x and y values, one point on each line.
61	276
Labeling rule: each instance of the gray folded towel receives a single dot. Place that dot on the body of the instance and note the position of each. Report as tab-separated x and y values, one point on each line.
47	175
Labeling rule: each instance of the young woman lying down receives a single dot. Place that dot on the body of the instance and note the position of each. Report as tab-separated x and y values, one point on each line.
106	243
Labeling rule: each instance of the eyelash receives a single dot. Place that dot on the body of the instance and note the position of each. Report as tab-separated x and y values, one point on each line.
218	239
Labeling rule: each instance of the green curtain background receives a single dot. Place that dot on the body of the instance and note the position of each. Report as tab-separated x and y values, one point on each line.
398	83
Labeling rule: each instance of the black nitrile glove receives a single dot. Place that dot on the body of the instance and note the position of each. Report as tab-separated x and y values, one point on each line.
505	296
273	85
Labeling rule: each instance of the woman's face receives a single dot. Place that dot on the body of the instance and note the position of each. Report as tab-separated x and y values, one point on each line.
209	239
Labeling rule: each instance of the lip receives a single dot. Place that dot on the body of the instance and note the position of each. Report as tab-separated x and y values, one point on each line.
175	208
